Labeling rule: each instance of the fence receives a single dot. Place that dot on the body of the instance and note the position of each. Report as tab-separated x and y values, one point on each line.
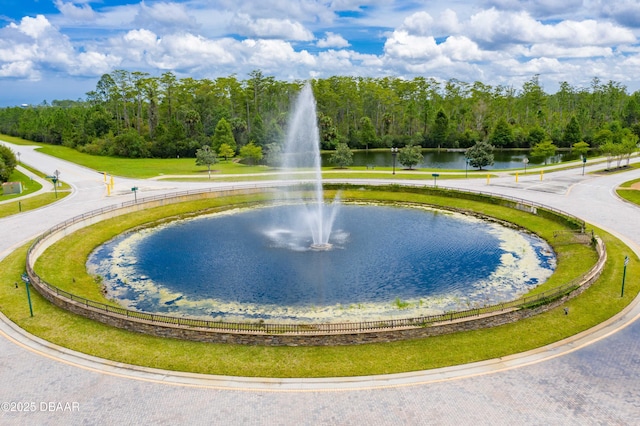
152	323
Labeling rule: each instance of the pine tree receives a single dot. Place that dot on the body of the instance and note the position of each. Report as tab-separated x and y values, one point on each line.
223	135
572	133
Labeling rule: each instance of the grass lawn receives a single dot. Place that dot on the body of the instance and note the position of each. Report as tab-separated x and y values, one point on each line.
597	304
31	203
625	191
145	168
30	186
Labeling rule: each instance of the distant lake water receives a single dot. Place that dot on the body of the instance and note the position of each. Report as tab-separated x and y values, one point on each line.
451	160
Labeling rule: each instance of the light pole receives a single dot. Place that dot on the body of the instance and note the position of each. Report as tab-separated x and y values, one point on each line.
394	152
624	274
25	278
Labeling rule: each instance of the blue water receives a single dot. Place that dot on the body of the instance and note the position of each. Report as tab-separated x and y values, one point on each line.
451	160
380	254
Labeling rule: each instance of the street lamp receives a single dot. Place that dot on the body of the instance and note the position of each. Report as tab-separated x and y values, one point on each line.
25	278
624	274
394	152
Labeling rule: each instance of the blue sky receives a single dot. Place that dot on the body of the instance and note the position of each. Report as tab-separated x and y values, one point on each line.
58	49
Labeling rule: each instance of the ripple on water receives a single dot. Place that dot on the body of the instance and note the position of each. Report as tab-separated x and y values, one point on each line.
384	262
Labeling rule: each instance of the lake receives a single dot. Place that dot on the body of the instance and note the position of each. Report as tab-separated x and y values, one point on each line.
443	159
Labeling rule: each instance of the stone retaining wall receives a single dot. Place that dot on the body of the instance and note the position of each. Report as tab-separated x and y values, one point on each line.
257	338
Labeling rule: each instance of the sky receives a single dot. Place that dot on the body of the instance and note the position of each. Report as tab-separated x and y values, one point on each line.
58	49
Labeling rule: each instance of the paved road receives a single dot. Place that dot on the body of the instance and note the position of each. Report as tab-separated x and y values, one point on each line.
591	379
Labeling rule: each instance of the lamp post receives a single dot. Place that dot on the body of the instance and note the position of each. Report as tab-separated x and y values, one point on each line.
624	274
394	152
25	278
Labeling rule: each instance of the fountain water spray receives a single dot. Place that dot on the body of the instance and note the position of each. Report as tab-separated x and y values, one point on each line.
300	157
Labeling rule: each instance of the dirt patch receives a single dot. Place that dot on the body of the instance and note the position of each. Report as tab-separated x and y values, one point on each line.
636	186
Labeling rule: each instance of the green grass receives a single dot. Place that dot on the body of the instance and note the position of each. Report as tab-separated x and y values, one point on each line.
597	304
145	168
16	141
625	191
629	184
29	186
631	195
573	259
30	203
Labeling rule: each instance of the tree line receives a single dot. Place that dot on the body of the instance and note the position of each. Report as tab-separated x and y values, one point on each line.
134	114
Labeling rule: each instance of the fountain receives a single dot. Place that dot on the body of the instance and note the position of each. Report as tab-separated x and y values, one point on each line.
301	154
303	267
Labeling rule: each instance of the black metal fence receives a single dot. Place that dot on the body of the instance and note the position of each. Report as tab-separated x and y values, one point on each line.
294	328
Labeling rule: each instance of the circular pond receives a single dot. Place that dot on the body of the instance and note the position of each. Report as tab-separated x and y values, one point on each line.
383	262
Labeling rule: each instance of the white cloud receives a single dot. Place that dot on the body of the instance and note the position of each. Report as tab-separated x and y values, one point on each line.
75	13
33	47
420	23
460	48
33	27
403	45
19	69
625	12
271	28
459	39
274	54
448	22
94	63
332	40
550	50
166	16
496	28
